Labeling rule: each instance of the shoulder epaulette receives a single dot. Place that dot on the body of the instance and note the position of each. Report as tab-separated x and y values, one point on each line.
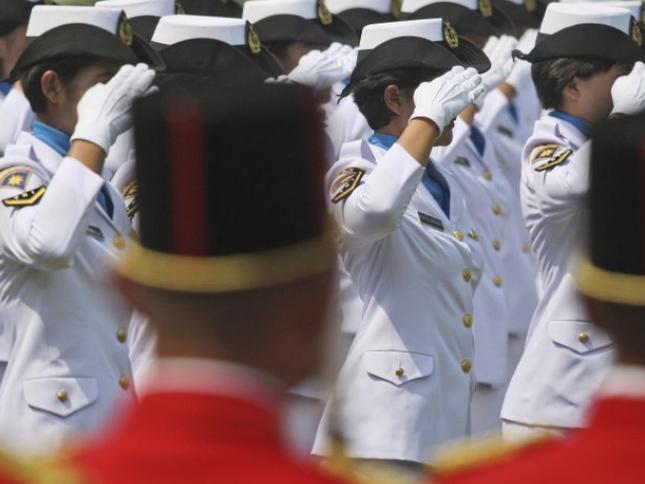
26	199
545	157
470	454
345	182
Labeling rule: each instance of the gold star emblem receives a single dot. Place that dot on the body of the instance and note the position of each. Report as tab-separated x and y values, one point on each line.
15	181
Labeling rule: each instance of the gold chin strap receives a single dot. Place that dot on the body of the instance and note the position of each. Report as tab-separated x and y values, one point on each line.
230	272
609	286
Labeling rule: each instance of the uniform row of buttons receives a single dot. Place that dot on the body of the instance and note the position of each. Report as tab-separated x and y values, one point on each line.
63	395
466	367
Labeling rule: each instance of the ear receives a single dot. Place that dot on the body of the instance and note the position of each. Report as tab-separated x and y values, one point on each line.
392	99
51	87
571	91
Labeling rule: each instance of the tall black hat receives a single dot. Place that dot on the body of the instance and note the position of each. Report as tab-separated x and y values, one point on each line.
298	20
595	32
178	29
55	32
14	13
613	268
428	44
230	190
214	8
469	17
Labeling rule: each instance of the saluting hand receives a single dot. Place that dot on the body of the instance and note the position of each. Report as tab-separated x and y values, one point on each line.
628	92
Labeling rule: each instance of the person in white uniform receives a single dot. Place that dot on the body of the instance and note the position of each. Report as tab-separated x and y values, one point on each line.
566	357
60	227
407	382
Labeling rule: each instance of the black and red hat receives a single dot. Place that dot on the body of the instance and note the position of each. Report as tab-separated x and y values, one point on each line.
230	190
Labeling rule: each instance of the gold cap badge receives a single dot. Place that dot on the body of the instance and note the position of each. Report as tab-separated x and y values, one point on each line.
397	5
324	15
252	39
124	30
450	35
485	8
635	31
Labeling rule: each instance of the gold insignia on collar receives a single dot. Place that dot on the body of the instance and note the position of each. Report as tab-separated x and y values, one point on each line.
324	15
252	39
635	31
530	5
345	183
485	8
26	199
125	30
450	35
179	9
397	5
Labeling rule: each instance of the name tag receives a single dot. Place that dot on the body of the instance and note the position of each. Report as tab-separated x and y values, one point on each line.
462	161
434	222
95	233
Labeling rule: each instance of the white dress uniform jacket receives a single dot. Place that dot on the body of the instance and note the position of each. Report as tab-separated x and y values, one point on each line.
566	357
407	382
69	363
487	196
16	116
345	124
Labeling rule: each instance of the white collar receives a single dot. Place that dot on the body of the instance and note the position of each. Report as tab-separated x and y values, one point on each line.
210	376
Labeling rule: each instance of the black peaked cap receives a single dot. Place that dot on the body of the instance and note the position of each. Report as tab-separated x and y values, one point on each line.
520	15
14	13
357	18
279	28
212	8
464	20
144	26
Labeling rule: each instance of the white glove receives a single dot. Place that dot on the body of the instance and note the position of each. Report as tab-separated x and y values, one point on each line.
499	51
104	110
628	92
283	79
349	61
442	99
319	70
520	76
527	41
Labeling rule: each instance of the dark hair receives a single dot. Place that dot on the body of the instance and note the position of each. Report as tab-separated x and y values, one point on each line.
368	92
66	67
551	76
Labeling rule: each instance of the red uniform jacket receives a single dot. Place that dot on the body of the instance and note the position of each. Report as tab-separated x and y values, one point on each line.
196	438
611	450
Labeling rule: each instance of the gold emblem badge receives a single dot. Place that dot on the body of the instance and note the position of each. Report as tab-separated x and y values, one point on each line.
635	31
450	35
179	9
252	39
396	8
124	30
485	8
324	15
530	5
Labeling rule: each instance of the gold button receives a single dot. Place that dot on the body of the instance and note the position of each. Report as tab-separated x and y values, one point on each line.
526	248
488	176
497	245
466	365
119	242
496	208
584	337
122	335
498	281
458	234
399	372
468	320
468	274
124	382
62	395
473	234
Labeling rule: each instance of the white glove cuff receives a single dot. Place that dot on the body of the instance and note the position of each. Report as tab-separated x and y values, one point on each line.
94	134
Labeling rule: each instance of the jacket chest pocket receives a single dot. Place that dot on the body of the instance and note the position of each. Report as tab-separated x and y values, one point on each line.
578	336
398	367
60	396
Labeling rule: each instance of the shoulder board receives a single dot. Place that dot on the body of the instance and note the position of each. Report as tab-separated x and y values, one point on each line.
543	152
26	199
466	455
17	177
556	160
345	182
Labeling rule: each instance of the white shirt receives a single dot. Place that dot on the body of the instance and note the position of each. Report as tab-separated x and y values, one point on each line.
566	357
16	116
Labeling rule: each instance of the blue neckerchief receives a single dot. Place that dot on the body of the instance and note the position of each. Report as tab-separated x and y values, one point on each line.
434	181
512	110
5	87
59	142
52	137
580	124
478	139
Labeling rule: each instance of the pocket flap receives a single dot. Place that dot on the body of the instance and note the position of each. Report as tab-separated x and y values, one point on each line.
578	336
60	396
398	367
